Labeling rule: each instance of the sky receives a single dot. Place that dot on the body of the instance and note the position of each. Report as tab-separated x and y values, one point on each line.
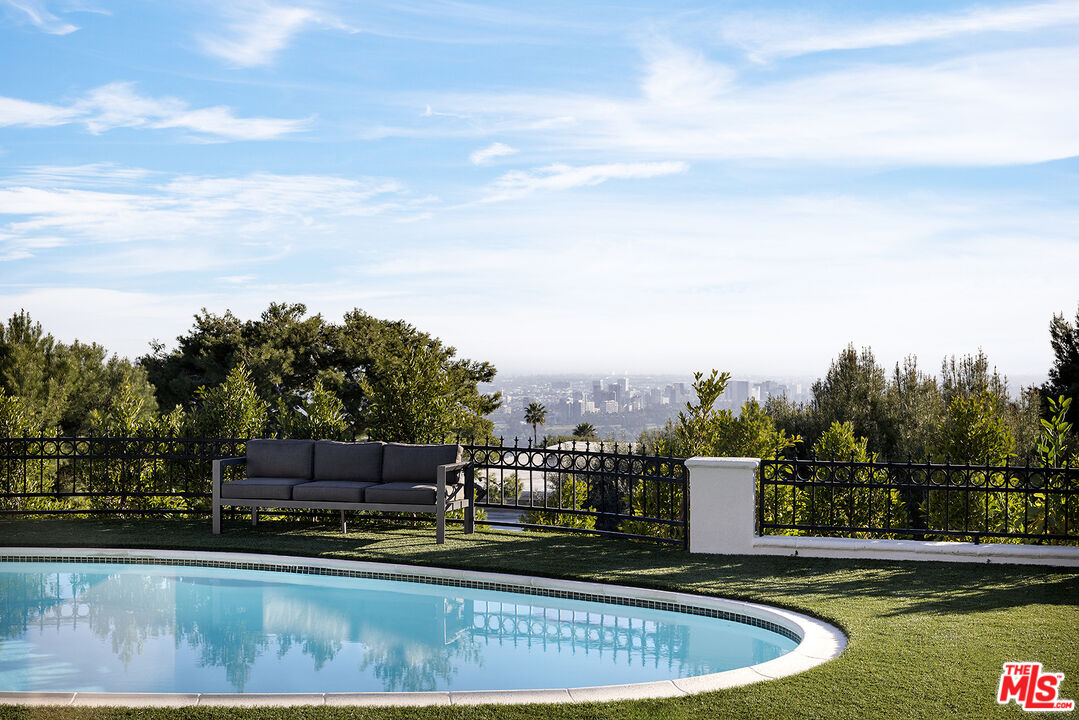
643	187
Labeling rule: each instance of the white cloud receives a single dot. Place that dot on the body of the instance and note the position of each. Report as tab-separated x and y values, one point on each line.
767	37
992	108
489	153
35	12
679	77
180	222
31	114
256	31
118	105
91	174
518	183
761	275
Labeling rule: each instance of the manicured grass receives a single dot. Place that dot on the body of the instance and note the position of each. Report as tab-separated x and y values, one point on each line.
927	640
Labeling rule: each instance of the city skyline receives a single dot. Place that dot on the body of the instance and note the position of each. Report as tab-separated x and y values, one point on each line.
653	187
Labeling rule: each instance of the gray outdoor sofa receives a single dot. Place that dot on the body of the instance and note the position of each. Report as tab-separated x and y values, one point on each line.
342	476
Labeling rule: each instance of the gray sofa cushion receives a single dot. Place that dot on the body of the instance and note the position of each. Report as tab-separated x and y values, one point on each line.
360	462
261	488
331	491
279	458
409	493
417	463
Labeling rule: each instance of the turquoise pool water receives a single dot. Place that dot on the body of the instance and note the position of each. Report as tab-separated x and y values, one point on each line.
156	628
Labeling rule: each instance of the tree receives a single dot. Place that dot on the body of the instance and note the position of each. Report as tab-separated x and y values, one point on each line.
585	431
231	409
1055	445
853	391
535	414
60	384
751	434
21	474
916	407
698	425
319	415
281	351
392	380
701	429
971	377
1064	374
1052	511
974	429
413	389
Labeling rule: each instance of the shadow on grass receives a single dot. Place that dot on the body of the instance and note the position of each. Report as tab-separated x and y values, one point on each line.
902	587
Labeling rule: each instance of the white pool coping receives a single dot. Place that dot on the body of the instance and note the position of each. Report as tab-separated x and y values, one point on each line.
820	641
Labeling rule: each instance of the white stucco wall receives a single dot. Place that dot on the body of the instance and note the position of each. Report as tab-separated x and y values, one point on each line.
722	520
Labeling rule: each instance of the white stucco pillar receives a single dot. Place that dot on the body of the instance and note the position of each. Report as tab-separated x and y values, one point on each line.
722	504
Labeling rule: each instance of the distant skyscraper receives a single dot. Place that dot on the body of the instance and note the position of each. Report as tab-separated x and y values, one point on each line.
737	393
574	410
770	389
614	392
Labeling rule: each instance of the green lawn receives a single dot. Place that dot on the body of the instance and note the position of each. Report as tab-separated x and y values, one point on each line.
927	640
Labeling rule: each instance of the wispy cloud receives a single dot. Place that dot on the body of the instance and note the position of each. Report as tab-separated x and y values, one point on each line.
35	13
256	31
89	175
205	217
21	112
677	76
495	150
118	105
991	108
736	263
518	183
769	37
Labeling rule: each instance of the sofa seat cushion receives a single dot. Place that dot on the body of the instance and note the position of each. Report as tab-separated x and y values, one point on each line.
331	491
359	462
261	488
279	458
416	463
409	493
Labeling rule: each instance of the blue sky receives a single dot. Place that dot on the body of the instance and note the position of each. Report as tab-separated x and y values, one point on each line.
651	187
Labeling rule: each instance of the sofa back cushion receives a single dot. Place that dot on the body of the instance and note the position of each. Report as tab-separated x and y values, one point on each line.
279	458
416	463
360	462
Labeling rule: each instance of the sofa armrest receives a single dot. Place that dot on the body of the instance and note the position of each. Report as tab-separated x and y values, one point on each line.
220	465
446	470
455	468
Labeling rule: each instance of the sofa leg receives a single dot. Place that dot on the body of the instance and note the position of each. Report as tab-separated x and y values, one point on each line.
217	520
344	527
254	516
440	526
470	519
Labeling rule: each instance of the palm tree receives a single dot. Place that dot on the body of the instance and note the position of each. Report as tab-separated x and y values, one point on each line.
584	431
535	414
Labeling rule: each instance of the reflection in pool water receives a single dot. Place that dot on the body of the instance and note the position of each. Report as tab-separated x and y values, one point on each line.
126	628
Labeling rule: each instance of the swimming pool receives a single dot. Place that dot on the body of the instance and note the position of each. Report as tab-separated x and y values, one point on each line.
176	624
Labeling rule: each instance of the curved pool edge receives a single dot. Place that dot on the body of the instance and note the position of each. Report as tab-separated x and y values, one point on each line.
819	641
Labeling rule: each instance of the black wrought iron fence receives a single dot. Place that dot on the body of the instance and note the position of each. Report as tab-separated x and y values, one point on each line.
109	475
609	489
920	500
587	487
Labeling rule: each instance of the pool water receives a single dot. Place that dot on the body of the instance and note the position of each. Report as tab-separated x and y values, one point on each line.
155	628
